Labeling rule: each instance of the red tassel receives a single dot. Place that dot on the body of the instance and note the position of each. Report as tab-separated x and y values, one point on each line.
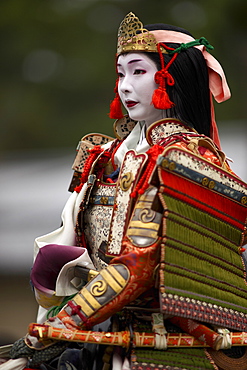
116	106
78	188
161	99
94	153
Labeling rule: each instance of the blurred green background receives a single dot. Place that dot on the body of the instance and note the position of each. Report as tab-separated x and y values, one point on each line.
57	62
56	82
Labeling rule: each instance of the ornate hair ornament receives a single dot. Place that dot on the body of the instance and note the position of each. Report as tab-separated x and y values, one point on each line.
133	37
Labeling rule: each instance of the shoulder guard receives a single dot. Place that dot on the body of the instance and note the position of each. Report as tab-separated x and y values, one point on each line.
86	143
165	128
123	127
205	213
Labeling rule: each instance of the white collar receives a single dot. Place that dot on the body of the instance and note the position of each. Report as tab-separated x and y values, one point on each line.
135	140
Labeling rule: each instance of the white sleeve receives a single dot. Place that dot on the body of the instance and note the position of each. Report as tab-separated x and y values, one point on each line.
64	235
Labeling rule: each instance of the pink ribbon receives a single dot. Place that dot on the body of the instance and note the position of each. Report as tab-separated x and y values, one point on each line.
217	79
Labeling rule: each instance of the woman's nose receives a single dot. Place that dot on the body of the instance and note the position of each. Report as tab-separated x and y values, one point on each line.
125	85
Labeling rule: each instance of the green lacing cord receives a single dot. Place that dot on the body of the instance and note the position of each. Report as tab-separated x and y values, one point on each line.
201	41
56	309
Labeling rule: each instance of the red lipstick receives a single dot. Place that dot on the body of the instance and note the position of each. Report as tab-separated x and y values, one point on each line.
130	103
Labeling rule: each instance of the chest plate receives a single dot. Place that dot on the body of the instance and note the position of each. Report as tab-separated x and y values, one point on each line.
107	213
97	220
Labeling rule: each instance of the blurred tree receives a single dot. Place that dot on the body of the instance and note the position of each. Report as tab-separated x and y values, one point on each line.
57	62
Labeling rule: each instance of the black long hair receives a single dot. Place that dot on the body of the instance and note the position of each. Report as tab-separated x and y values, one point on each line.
190	93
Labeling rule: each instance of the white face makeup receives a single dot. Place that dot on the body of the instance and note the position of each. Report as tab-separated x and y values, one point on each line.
136	86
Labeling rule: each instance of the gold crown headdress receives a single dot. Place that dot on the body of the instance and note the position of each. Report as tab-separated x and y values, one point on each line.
133	37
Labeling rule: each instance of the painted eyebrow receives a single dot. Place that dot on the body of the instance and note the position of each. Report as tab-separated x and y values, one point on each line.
131	61
134	61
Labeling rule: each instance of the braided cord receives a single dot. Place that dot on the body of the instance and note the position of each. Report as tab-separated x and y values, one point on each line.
197	42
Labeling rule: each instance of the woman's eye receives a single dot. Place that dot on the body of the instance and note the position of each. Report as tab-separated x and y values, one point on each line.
139	72
120	74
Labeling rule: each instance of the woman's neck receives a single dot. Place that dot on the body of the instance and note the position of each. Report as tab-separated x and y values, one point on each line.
167	113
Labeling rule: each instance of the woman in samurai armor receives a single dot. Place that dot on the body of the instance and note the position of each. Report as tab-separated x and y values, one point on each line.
150	252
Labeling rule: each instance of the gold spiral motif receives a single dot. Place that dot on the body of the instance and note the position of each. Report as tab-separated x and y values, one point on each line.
211	184
205	181
98	288
244	199
104	200
126	181
164	163
172	166
146	215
